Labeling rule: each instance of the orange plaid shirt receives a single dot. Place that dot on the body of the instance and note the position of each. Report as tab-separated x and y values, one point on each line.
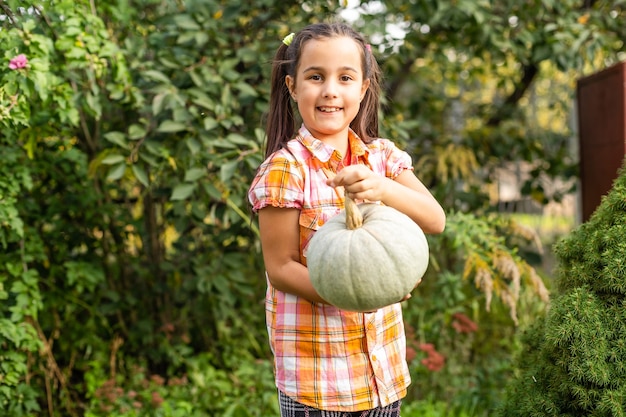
326	357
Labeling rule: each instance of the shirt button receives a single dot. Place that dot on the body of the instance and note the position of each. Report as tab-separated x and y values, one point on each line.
374	357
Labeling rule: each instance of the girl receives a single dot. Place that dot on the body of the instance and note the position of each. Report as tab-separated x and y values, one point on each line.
330	362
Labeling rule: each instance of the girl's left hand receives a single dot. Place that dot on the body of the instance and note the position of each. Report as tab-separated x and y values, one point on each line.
359	182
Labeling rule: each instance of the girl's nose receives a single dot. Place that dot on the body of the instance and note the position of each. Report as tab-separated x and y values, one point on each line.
330	89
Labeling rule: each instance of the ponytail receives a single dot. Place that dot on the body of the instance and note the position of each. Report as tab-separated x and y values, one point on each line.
365	124
281	121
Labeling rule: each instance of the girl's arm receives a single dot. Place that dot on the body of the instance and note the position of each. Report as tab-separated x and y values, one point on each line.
406	193
280	241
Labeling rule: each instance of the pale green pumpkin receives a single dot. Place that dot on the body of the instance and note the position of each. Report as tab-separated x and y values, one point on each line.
367	257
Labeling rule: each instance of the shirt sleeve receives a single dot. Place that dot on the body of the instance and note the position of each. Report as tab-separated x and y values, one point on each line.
396	160
278	183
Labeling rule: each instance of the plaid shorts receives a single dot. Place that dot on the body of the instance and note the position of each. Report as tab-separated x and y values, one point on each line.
291	408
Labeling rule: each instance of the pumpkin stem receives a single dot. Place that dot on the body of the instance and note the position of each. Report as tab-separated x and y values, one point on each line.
354	218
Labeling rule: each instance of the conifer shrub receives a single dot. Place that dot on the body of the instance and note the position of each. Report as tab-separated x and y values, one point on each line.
573	361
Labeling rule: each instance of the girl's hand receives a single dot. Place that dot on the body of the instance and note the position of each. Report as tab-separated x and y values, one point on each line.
360	183
405	193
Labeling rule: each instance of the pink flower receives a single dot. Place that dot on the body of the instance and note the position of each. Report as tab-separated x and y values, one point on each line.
463	324
18	62
435	360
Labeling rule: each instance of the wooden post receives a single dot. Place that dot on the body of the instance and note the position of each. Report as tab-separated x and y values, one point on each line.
602	133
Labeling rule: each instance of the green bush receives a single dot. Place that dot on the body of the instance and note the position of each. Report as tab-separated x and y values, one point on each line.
425	408
573	363
125	161
198	390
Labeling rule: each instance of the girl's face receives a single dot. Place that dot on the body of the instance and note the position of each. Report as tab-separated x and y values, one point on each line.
328	87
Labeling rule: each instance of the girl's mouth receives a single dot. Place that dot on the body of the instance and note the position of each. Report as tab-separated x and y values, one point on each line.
325	109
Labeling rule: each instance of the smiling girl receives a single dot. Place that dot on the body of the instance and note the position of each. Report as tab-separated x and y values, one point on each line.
330	362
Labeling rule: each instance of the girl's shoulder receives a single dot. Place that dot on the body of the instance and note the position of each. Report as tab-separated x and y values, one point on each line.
292	157
381	143
290	152
385	155
383	147
293	152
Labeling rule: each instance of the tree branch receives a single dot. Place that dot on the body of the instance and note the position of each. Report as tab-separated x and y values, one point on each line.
395	84
529	72
7	12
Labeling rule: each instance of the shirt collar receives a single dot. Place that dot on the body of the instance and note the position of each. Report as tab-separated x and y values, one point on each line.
324	152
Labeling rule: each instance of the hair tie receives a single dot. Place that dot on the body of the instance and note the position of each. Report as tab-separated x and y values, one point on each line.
287	39
368	47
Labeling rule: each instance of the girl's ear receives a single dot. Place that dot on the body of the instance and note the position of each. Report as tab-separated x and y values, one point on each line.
364	87
290	83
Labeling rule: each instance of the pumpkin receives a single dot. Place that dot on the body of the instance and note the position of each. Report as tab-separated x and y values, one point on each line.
366	257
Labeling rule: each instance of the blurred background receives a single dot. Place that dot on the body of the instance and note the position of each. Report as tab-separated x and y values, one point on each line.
131	277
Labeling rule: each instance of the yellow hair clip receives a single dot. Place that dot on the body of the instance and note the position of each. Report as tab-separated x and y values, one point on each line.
287	39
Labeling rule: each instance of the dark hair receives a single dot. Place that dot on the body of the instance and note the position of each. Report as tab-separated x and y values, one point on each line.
281	121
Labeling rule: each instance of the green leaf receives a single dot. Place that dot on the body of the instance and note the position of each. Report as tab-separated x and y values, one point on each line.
542	52
94	104
117	138
185	21
194	173
113	159
246	89
227	96
222	143
227	170
157	76
237	139
157	103
259	134
148	159
185	37
170	126
213	192
210	123
116	172
201	38
202	99
237	410
136	131
248	55
141	175
193	145
196	78
182	191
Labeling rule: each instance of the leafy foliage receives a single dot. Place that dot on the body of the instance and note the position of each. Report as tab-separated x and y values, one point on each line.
127	159
130	268
573	362
201	390
459	339
465	81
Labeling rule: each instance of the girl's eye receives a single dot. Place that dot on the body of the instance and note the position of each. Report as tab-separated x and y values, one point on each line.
316	77
345	78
